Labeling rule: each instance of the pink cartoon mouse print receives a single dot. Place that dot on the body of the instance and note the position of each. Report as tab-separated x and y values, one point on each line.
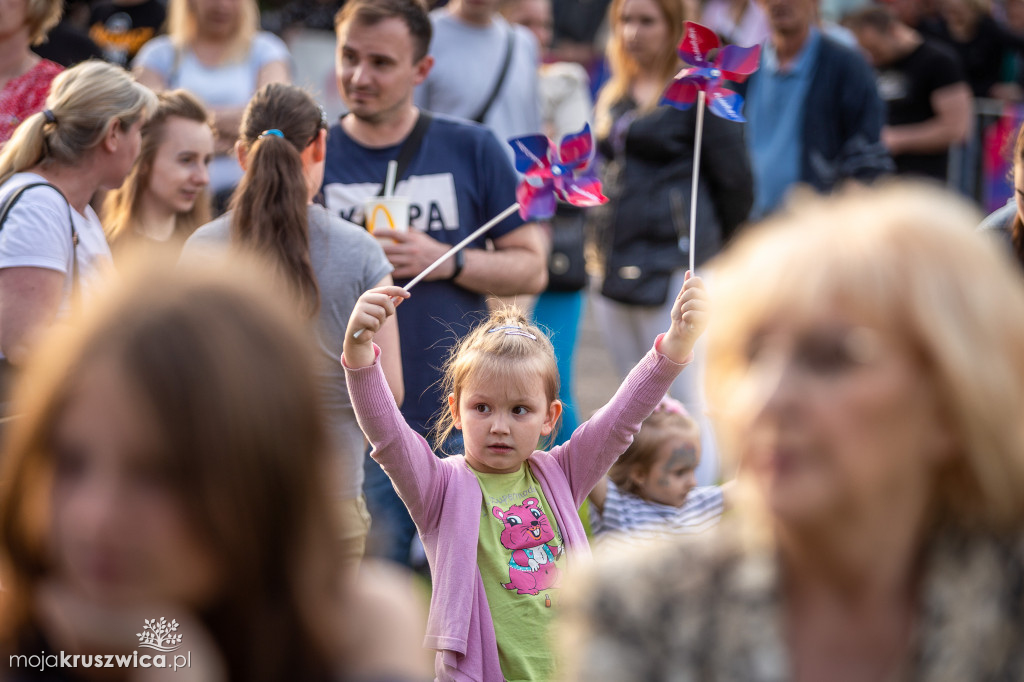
527	533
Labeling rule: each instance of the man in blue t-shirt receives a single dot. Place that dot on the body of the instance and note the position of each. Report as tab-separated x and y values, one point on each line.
459	178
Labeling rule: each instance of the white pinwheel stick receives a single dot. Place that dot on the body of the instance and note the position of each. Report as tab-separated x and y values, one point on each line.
455	249
695	178
389	179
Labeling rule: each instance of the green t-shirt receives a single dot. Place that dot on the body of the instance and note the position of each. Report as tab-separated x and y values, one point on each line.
519	545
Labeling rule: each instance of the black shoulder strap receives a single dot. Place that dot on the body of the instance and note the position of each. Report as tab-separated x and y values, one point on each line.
410	147
13	197
509	45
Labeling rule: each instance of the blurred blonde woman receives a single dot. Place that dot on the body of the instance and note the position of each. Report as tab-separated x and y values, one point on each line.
51	242
214	49
866	374
165	198
24	77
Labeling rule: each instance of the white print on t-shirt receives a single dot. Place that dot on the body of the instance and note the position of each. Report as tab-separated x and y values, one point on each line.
433	205
893	86
516	497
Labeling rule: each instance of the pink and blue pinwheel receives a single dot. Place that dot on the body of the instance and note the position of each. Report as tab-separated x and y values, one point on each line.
551	173
732	63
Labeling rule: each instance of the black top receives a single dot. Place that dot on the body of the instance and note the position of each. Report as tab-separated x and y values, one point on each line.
311	14
67	45
647	175
578	20
906	86
981	56
121	30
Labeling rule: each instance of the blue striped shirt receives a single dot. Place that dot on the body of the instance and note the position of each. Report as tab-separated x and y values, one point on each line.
632	517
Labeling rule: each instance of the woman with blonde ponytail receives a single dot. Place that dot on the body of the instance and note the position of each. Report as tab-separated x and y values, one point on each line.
84	140
326	262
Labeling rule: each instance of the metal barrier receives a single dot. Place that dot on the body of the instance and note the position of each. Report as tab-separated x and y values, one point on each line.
980	168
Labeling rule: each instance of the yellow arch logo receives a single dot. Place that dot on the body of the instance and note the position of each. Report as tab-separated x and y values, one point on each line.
371	220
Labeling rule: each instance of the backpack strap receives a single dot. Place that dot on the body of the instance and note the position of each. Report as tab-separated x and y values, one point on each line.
509	49
12	199
410	147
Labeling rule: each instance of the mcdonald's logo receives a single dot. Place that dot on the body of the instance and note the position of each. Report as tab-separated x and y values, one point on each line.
371	220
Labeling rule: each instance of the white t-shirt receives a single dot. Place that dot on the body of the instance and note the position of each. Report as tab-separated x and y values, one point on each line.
36	234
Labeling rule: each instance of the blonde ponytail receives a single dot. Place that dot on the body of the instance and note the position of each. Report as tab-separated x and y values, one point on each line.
84	101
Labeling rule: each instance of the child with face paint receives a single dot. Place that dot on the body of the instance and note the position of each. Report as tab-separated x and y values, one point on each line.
651	490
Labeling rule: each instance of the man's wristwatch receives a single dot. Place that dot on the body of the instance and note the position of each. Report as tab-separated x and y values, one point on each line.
459	259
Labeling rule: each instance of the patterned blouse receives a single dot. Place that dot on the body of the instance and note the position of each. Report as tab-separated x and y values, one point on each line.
25	95
703	609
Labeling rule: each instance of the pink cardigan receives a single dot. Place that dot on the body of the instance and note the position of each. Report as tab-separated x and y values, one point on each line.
444	499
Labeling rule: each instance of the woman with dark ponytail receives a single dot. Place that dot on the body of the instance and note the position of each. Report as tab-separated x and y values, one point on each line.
325	261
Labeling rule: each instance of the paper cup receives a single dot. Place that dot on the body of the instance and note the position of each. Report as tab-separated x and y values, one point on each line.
386	213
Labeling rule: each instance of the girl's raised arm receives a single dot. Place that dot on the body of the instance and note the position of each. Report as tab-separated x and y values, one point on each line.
598	442
689	320
372	309
405	455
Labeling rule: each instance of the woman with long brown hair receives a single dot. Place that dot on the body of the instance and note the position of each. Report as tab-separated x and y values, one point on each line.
164	198
326	261
643	232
